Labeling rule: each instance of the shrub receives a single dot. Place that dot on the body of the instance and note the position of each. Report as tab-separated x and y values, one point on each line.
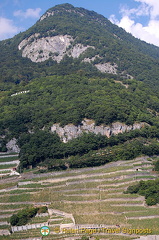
149	189
156	168
43	209
151	201
23	216
14	220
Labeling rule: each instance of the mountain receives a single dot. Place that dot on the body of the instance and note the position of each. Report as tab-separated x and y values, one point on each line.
67	35
75	72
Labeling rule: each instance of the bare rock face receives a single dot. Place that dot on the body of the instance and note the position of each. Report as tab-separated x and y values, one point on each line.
52	13
107	68
89	60
71	131
39	49
12	146
78	49
47	14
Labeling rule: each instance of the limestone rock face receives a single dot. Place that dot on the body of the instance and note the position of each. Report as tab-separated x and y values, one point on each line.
107	68
89	60
71	131
12	146
52	13
40	49
78	49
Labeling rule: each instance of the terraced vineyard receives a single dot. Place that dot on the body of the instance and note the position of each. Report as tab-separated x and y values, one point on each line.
81	199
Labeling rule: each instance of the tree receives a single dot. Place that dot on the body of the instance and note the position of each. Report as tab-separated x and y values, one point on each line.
156	168
151	201
14	220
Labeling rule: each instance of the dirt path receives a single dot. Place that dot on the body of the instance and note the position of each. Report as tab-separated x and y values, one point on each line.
10	162
5	156
106	200
144	217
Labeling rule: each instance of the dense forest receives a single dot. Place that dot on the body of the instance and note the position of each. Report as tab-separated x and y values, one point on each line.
46	149
70	99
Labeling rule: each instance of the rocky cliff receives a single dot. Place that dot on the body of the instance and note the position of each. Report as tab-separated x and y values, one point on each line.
39	49
12	146
71	131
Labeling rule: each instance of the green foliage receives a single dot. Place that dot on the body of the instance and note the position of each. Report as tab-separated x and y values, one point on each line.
84	238
46	149
24	215
156	168
111	44
149	189
151	201
43	209
43	145
72	98
39	146
14	220
72	90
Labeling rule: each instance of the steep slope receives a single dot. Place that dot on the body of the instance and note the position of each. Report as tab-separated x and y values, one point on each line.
75	72
87	41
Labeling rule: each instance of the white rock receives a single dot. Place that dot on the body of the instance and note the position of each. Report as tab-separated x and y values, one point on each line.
78	49
39	49
12	146
71	131
107	68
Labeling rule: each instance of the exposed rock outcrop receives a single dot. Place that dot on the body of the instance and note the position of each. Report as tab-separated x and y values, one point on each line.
71	131
107	68
78	49
89	60
39	49
12	146
52	13
125	85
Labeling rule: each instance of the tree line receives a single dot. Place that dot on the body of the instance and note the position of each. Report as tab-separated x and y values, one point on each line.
47	149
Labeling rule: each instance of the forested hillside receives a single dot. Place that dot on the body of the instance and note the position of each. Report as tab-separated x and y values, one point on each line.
69	99
110	44
66	86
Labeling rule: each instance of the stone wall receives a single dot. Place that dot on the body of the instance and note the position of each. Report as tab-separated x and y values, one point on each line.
28	227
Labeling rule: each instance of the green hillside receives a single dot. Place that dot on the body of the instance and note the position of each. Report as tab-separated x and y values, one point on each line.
39	93
111	44
79	130
69	99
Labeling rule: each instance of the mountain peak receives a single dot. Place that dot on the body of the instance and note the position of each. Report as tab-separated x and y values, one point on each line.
66	7
63	7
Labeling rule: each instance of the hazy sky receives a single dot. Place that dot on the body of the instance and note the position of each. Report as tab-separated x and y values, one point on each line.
139	17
